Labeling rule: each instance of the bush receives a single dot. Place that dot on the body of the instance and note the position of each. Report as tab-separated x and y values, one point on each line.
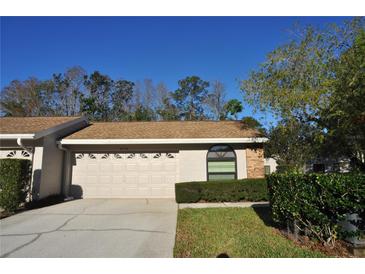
222	191
316	203
14	182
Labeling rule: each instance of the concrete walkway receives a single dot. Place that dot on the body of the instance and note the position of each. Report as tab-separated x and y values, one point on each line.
212	205
92	228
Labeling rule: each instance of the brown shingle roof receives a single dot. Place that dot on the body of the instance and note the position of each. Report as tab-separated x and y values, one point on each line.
30	125
164	130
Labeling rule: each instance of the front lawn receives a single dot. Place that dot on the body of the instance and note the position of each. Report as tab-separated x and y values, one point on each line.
236	232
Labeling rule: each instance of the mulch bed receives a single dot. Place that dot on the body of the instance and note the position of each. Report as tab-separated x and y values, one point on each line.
340	250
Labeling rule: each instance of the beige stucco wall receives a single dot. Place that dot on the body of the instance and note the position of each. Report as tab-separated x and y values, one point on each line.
192	165
52	166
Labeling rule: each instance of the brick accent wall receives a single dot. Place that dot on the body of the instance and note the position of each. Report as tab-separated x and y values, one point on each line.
255	162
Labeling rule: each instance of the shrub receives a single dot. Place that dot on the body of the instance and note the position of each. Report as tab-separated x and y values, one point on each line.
14	182
316	203
222	191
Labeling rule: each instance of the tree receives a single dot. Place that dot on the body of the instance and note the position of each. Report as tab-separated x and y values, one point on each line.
291	144
233	107
317	80
216	100
31	97
68	88
297	78
99	87
121	97
250	122
190	96
167	110
344	116
143	113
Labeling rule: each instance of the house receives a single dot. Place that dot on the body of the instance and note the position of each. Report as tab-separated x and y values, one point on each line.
316	165
270	165
130	159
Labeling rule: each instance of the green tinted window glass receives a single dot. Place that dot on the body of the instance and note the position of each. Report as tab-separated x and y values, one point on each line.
213	177
221	166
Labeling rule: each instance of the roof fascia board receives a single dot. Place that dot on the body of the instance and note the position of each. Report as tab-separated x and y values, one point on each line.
161	141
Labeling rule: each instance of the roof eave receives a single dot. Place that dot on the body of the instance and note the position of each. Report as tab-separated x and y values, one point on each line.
44	132
162	141
26	136
59	127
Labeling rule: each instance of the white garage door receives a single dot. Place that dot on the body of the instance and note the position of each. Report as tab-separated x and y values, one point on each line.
125	175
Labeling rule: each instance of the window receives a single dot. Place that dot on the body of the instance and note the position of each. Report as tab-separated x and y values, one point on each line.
221	163
267	170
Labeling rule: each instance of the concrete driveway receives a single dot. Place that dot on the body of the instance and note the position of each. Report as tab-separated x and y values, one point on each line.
92	228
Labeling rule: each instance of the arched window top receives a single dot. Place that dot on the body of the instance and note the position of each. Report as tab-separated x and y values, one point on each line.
221	152
221	163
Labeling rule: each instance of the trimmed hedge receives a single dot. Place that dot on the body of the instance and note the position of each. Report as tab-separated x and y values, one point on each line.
316	203
222	191
14	182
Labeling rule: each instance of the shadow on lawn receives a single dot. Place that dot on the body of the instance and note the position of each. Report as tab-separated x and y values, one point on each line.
264	213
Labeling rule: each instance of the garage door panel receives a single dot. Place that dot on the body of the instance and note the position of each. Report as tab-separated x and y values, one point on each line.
92	180
105	180
92	168
106	167
117	180
170	167
103	175
132	167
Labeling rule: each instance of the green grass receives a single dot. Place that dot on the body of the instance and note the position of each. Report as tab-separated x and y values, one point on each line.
237	232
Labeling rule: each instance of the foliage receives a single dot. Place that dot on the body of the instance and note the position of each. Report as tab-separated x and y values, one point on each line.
216	100
101	98
14	182
316	202
190	97
100	87
121	97
31	97
233	107
291	143
67	89
252	123
222	191
236	232
143	113
344	117
317	79
167	110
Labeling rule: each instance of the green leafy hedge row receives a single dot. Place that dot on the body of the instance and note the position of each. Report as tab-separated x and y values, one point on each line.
14	182
316	203
222	191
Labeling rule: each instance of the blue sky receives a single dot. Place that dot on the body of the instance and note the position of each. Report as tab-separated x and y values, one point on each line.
160	48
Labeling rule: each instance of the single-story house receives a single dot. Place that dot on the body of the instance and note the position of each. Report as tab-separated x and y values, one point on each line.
129	159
